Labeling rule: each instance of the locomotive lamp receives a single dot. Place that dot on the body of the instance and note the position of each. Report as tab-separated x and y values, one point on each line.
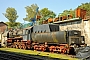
82	41
75	33
72	41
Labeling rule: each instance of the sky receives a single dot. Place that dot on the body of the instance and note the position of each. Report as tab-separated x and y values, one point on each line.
57	6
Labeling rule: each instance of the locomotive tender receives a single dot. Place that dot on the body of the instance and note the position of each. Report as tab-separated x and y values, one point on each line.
47	37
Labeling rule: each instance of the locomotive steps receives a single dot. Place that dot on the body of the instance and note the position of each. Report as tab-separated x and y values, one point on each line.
38	54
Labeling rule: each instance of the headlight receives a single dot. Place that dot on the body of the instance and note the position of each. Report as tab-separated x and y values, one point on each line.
82	41
72	41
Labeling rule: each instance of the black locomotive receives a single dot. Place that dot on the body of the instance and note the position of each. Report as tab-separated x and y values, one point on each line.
46	37
51	34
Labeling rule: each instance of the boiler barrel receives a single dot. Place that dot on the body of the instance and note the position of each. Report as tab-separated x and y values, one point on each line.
52	37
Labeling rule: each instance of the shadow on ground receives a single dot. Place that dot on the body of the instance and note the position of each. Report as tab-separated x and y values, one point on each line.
37	56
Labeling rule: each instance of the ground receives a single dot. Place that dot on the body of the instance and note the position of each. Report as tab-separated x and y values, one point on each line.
53	55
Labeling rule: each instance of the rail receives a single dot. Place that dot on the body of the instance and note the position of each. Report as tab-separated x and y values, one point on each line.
12	56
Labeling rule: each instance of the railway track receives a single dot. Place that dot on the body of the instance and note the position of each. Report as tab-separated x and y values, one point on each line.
4	55
13	56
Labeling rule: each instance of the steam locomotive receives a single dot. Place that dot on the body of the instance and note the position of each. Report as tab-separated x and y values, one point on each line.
51	34
46	37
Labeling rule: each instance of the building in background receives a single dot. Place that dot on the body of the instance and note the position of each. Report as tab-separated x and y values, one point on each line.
3	28
77	24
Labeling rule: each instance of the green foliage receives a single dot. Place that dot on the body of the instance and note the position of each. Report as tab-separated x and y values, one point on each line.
31	11
47	13
85	6
66	12
13	25
11	14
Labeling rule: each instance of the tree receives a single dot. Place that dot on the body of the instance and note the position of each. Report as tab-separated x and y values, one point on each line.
47	13
31	12
11	15
66	12
85	6
13	25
